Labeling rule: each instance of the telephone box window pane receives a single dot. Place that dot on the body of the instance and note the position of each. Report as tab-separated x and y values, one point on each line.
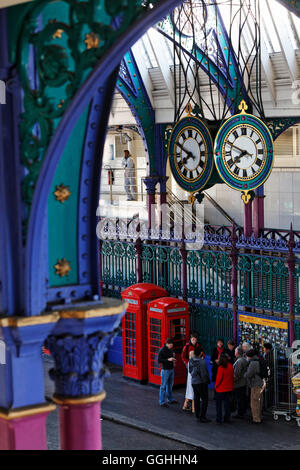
130	339
155	345
178	333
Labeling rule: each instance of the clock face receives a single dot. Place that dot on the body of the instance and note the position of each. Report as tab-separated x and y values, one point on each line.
244	152
190	153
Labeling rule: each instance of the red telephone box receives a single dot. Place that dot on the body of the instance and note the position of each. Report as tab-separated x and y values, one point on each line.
134	325
167	317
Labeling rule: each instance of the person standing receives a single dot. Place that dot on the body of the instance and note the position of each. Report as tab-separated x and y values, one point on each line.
224	387
185	356
200	381
129	176
189	392
220	349
231	351
166	358
240	383
256	384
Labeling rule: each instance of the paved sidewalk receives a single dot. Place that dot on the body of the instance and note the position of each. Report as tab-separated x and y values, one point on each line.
137	405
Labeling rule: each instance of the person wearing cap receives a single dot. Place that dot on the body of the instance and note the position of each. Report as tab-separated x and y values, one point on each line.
129	176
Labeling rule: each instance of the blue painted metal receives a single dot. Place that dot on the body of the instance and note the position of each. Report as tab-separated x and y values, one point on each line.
133	90
98	77
11	251
115	351
78	346
22	377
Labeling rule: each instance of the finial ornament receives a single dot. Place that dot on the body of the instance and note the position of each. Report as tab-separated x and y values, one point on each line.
243	107
188	109
191	198
246	196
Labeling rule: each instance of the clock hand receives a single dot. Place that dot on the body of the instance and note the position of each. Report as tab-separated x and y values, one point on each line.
189	154
244	152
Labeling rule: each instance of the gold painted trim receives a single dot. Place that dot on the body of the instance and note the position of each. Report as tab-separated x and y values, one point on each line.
29	321
79	401
24	412
102	311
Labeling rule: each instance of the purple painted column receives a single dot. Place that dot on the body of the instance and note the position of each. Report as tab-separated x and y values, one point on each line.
24	429
139	249
248	219
80	424
183	253
258	212
291	268
162	198
233	256
150	183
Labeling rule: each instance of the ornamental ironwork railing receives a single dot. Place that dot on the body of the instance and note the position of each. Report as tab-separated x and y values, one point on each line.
211	323
220	276
263	282
273	240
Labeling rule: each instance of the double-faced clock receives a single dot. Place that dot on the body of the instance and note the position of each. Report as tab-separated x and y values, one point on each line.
191	153
244	152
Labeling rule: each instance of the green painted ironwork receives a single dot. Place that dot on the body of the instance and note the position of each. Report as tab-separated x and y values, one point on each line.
263	282
297	288
162	265
211	323
278	125
65	39
119	265
63	216
209	275
297	330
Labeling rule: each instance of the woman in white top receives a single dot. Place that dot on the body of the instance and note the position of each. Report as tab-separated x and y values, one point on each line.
189	393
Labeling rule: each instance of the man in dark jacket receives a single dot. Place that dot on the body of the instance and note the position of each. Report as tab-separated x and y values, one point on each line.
257	385
240	383
200	381
166	359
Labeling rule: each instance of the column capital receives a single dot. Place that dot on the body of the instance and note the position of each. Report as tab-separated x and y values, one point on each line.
78	343
21	344
150	182
163	183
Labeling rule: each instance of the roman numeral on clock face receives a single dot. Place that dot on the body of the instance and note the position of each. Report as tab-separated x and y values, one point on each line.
244	130
190	133
236	134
